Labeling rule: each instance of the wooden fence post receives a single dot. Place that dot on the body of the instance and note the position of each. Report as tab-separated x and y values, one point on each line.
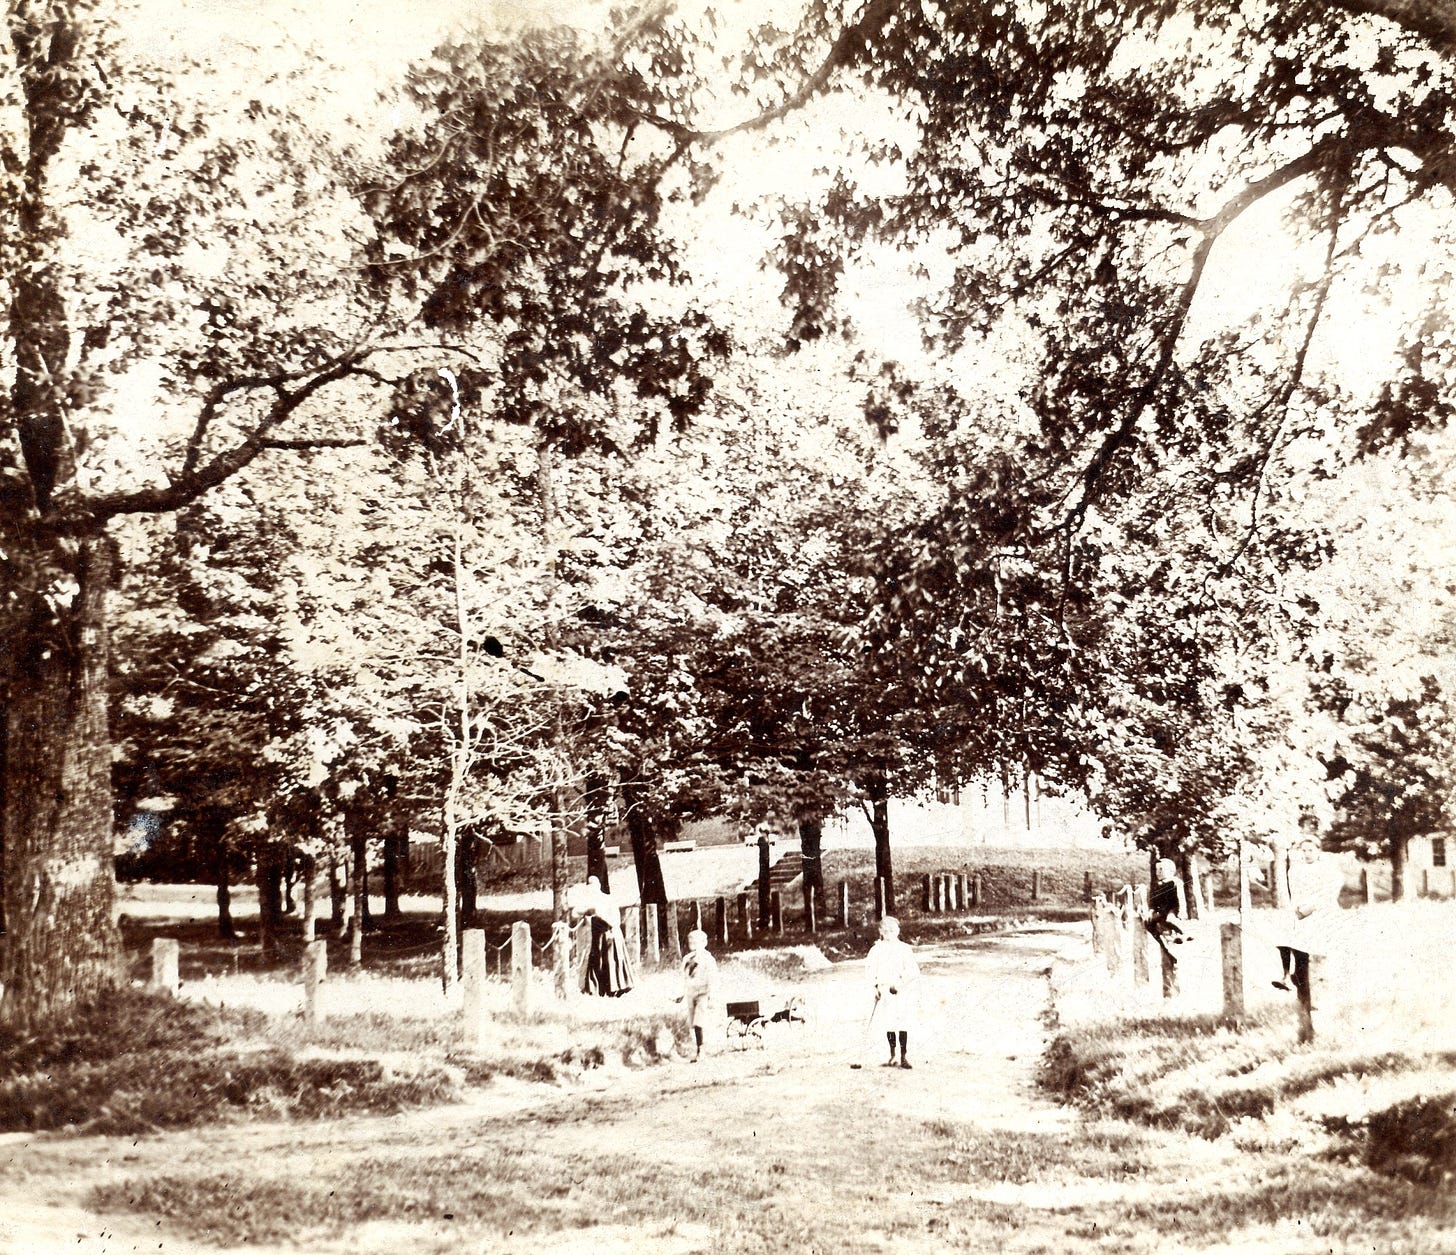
720	922
472	986
1170	973
651	934
844	904
929	898
632	936
521	966
310	906
1035	885
1112	935
937	893
1307	977
1086	886
673	937
776	913
977	889
765	860
1141	940
1231	941
561	957
1099	912
315	969
165	953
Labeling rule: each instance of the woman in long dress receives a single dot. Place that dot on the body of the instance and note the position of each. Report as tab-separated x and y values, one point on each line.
608	968
895	976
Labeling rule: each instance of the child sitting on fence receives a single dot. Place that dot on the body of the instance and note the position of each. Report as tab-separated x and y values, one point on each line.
1165	907
700	986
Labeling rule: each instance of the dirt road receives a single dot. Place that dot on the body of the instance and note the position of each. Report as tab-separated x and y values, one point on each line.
784	1148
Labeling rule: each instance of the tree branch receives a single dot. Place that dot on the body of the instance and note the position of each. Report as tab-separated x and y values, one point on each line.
1434	21
841	53
200	479
1210	230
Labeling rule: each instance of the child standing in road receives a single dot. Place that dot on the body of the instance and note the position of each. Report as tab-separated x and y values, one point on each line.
893	972
700	986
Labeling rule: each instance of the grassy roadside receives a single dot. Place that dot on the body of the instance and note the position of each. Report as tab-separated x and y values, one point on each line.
899	1182
1371	1103
135	1062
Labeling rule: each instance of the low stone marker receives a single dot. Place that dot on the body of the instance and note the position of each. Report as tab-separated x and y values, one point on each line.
561	957
472	986
1099	917
166	952
651	934
1231	942
521	966
632	936
315	970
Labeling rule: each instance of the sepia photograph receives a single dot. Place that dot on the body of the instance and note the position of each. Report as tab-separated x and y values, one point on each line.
670	627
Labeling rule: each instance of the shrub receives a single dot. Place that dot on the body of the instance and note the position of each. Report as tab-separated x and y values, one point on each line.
1415	1139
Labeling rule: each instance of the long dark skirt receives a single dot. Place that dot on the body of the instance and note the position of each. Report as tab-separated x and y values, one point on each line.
608	970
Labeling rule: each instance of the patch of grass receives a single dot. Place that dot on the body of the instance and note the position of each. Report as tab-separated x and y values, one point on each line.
120	1022
1198	1075
1415	1139
143	1091
133	1062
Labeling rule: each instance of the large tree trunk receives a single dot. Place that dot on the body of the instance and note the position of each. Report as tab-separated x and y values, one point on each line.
811	844
642	828
212	828
392	860
1280	870
62	947
467	881
269	879
1192	894
596	800
765	891
1399	856
878	788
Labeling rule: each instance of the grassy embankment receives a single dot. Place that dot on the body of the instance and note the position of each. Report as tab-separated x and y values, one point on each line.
1368	1109
137	1062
